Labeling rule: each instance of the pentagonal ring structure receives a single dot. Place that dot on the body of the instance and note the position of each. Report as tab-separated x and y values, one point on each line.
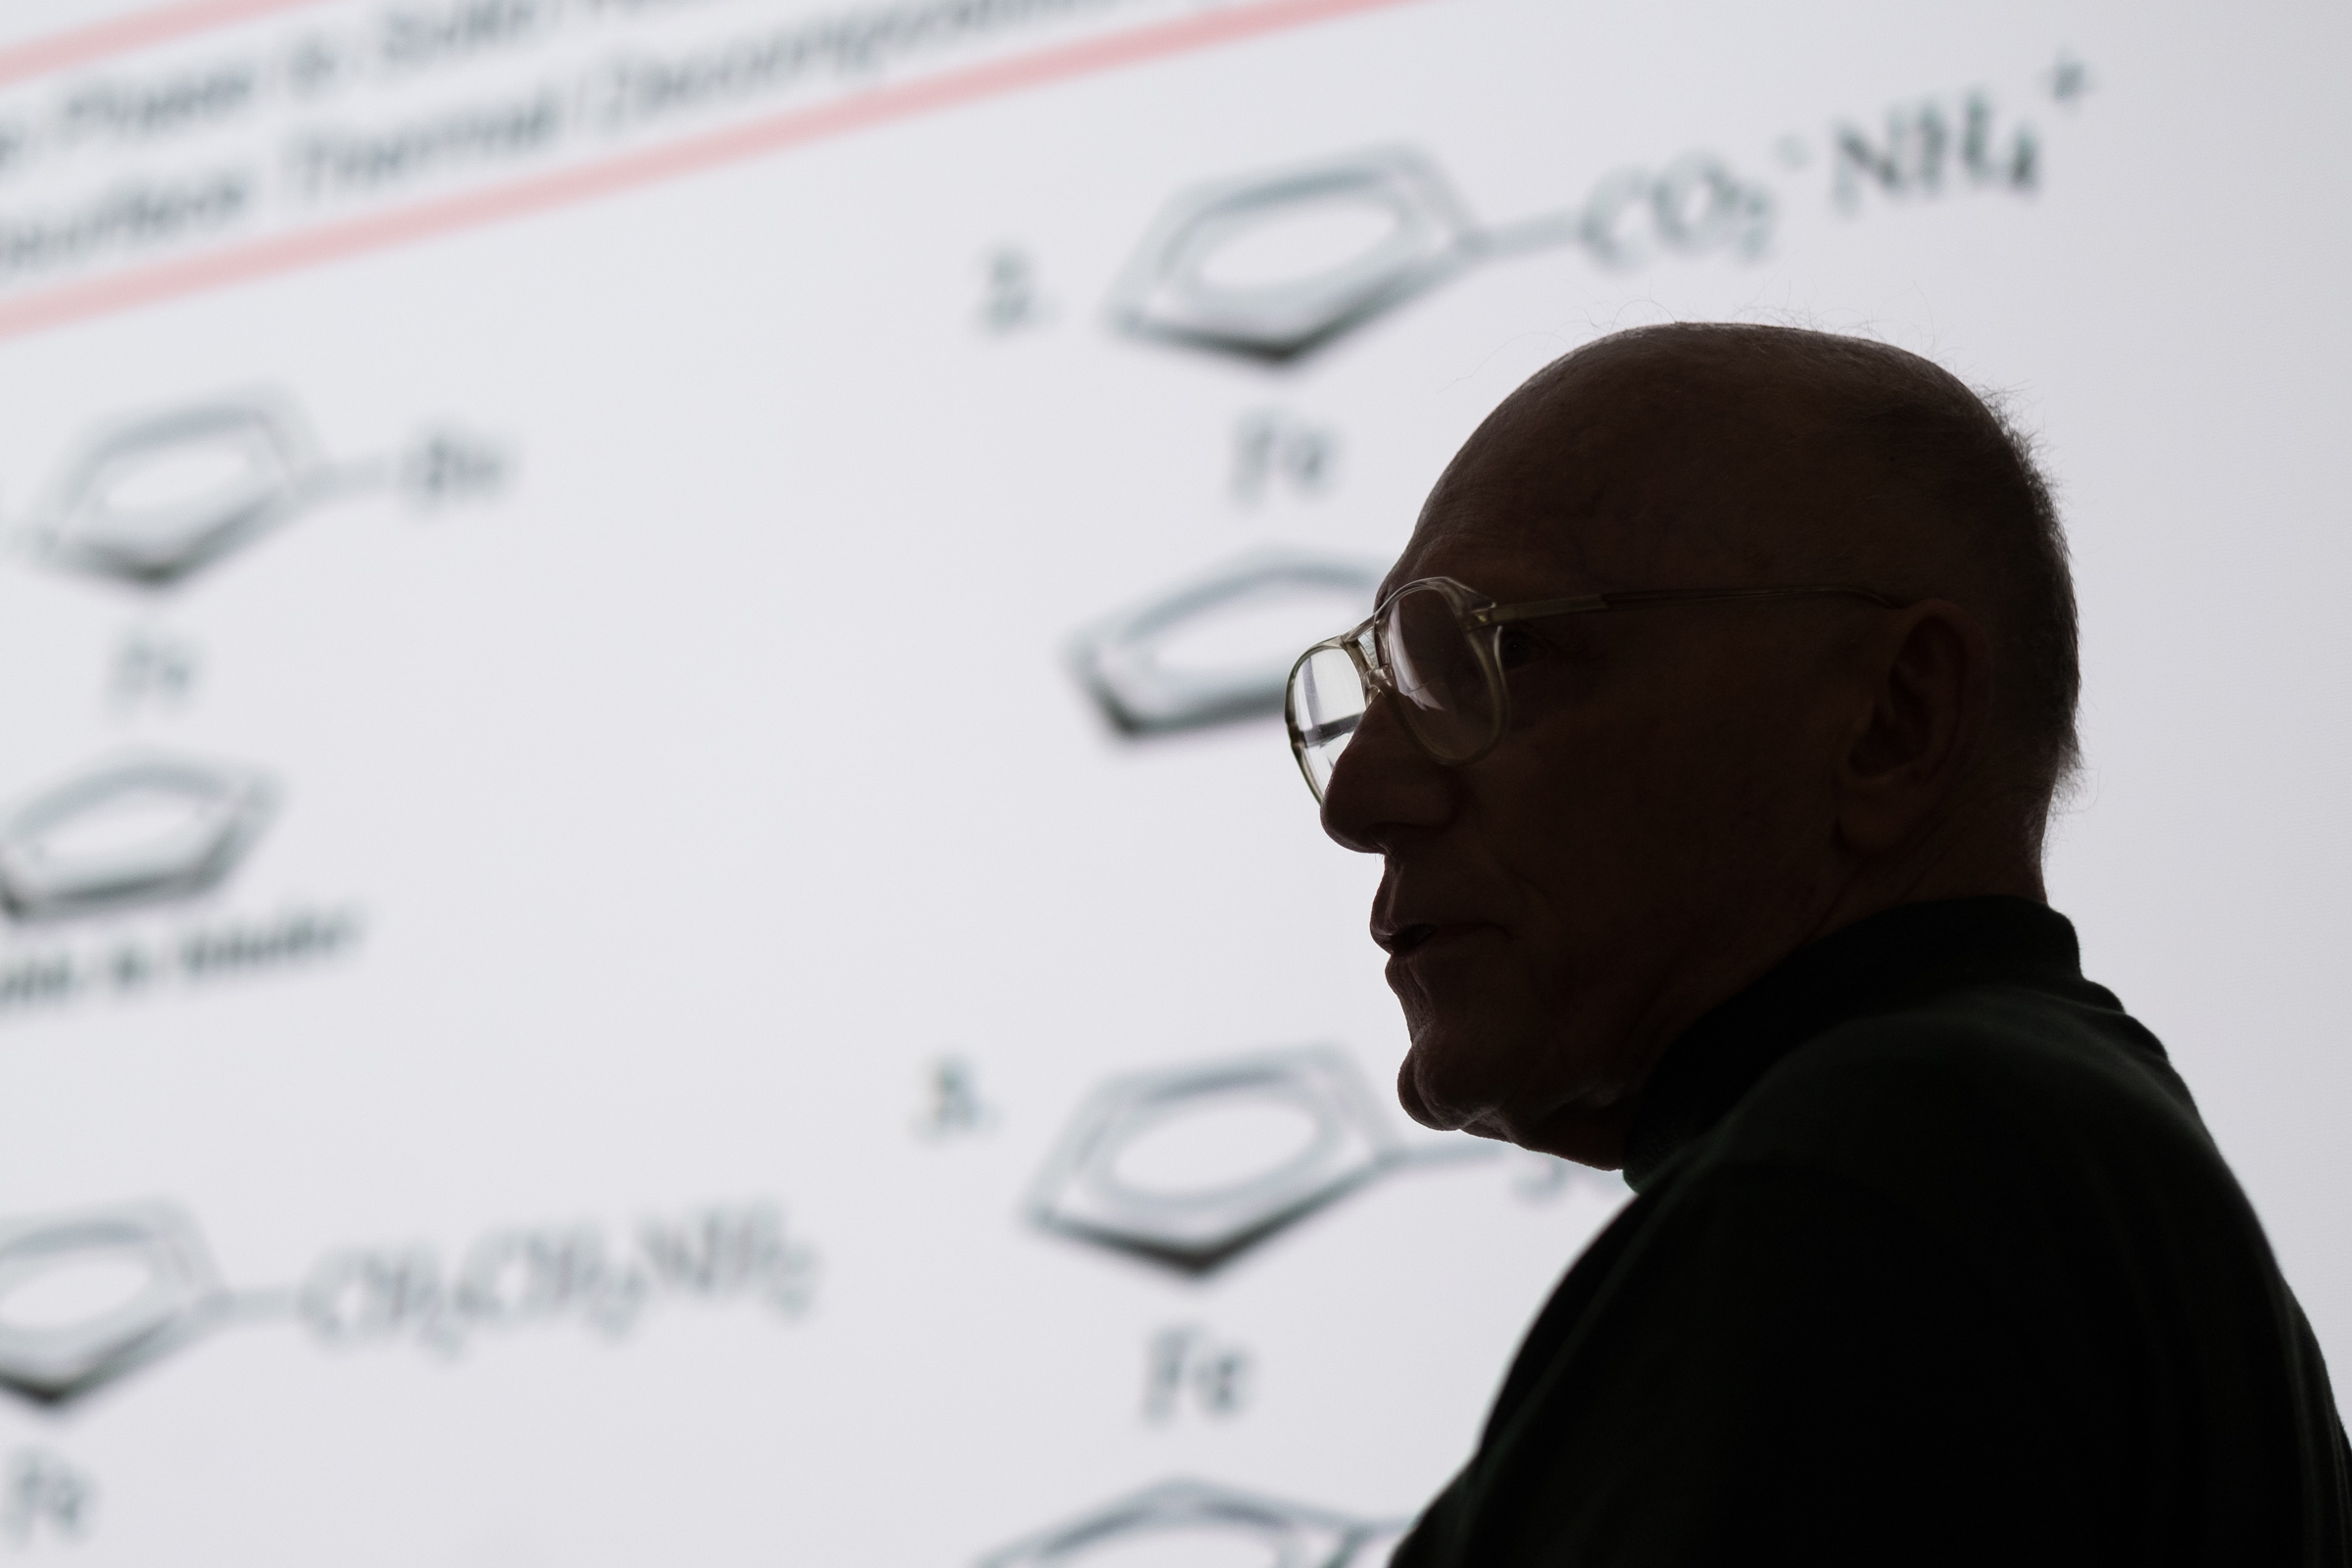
1209	1520
1218	649
1331	1139
1400	228
153	500
137	830
52	1356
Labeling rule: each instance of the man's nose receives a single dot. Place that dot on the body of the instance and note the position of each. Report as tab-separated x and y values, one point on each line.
1385	784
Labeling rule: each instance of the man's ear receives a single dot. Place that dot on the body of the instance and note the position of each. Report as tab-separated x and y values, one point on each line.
1928	677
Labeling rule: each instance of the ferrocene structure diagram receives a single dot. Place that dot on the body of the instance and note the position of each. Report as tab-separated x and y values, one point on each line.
1218	648
153	500
1183	1521
508	1279
1101	1185
1194	280
142	832
135	830
173	1297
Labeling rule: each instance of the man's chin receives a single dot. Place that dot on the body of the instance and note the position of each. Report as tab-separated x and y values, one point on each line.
1437	1093
1441	1090
1460	1066
1416	1103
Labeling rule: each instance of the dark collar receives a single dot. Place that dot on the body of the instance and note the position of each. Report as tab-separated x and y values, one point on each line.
1869	966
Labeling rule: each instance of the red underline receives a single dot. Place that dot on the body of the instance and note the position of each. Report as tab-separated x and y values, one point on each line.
62	51
329	242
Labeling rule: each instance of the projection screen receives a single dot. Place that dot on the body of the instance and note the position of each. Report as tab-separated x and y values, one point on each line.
651	908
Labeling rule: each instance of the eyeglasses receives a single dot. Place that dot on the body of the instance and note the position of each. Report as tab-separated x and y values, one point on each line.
1436	644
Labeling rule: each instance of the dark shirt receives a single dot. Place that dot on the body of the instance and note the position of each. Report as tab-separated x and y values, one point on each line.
1931	1261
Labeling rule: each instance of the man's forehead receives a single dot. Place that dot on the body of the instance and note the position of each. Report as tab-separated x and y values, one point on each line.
1552	535
1504	545
1625	474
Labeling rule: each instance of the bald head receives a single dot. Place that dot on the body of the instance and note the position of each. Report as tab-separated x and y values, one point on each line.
1708	454
1684	790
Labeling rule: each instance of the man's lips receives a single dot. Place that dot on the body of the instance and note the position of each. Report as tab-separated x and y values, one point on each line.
1417	936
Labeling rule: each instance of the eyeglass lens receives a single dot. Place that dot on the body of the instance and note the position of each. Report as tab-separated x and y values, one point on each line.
1327	698
1448	702
1445	696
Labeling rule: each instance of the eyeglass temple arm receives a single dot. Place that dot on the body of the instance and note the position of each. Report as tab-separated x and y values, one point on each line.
1497	615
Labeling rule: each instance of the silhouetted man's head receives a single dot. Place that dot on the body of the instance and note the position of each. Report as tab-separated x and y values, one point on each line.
1688	793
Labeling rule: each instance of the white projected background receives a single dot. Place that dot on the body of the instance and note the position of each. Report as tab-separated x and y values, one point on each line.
652	911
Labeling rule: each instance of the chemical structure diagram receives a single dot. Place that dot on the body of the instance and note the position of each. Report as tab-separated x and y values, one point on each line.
172	1299
1010	299
1208	274
1185	1364
135	830
1185	1521
152	667
43	1494
153	500
1928	146
166	1293
952	1106
1101	1185
135	962
132	833
1274	267
1273	451
150	502
1220	647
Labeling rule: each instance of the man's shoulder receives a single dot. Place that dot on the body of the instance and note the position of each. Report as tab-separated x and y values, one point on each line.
1993	1062
1990	1098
